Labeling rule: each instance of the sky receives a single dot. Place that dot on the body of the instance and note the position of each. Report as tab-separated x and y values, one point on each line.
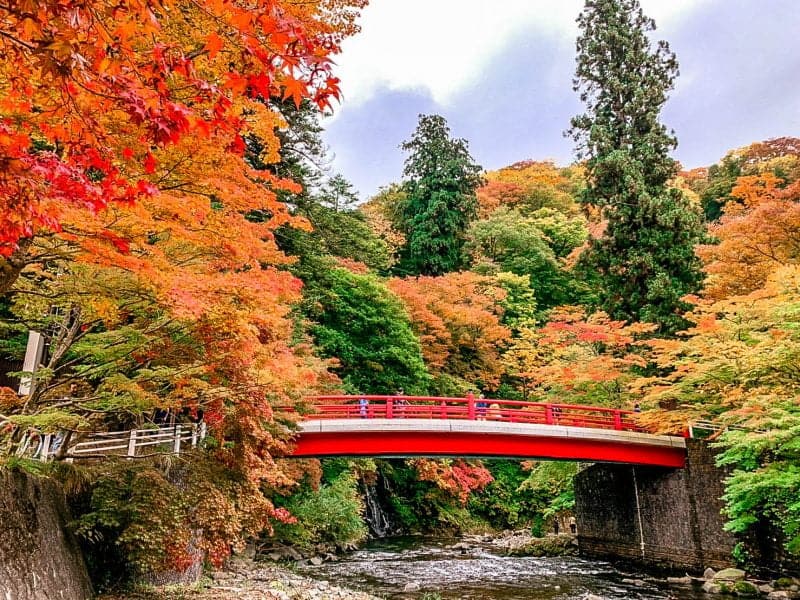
500	72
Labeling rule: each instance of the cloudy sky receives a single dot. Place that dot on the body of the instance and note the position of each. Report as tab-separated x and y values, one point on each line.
500	71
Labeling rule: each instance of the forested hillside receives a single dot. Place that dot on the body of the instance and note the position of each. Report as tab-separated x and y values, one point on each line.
176	234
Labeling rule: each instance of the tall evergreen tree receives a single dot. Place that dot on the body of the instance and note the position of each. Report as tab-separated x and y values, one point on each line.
440	182
645	260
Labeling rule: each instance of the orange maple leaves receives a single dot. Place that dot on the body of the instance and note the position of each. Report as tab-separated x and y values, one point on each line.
457	318
89	89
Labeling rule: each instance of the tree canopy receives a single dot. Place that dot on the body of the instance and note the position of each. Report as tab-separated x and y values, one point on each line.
440	179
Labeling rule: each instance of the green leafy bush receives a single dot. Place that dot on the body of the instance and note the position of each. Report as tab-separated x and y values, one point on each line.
330	516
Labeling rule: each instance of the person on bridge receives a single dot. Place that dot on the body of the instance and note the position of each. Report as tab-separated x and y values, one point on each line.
480	407
400	403
363	407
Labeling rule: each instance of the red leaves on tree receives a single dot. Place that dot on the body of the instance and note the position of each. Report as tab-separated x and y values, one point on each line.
120	77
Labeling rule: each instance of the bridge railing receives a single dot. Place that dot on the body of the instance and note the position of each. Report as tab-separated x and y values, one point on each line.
130	443
469	408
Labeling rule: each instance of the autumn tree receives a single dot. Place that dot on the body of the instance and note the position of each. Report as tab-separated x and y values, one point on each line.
91	90
737	365
383	213
531	185
181	299
645	258
758	232
457	318
440	182
577	359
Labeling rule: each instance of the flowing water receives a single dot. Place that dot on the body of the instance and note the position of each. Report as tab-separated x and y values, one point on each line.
385	567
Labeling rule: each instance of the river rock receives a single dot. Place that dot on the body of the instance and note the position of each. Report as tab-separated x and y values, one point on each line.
729	575
316	560
746	589
709	573
685	580
412	586
636	582
711	588
779	595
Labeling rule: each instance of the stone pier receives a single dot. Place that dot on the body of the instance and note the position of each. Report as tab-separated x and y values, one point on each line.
666	518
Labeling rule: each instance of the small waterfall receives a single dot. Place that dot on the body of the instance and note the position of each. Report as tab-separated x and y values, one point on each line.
376	516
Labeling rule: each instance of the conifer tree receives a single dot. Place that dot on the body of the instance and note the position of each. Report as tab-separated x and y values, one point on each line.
440	182
645	259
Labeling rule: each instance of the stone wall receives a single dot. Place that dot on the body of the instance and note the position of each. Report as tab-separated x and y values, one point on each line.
679	512
39	558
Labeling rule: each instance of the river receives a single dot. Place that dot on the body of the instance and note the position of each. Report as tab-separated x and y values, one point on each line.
385	567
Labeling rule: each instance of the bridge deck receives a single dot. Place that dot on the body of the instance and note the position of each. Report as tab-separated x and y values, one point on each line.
483	438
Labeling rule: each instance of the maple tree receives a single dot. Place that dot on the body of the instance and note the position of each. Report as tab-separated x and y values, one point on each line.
529	186
737	365
182	299
577	358
90	90
779	156
457	318
758	232
456	477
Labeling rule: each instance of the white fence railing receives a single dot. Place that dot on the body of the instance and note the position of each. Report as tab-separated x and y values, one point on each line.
130	444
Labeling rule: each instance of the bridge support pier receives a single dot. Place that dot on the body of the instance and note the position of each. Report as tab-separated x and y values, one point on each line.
666	518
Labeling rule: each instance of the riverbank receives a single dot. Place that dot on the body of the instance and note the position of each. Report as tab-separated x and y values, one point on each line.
522	543
244	579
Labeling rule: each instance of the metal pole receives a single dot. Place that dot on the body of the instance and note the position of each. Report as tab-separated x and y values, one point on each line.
638	511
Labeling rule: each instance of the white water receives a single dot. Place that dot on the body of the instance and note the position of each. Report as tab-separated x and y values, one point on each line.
386	567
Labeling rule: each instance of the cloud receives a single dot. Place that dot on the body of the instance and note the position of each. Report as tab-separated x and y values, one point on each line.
514	99
444	45
365	140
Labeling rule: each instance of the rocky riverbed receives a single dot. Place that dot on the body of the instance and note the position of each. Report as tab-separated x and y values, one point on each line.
245	579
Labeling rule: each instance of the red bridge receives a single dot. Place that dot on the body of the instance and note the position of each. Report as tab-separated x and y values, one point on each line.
400	426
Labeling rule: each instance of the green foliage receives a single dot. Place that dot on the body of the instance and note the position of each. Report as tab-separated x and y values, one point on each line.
716	190
132	513
331	515
645	258
519	305
517	245
338	233
338	194
765	482
551	483
503	504
440	182
563	233
421	506
359	322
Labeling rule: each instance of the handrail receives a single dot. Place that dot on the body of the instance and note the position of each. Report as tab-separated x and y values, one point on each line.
116	443
337	406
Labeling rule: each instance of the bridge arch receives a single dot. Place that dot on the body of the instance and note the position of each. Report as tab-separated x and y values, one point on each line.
402	426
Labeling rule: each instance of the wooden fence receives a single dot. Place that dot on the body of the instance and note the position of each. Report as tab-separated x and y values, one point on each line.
129	444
